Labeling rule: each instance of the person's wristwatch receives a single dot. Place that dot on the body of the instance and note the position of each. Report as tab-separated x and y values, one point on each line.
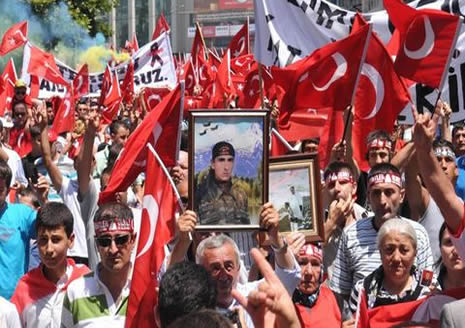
282	249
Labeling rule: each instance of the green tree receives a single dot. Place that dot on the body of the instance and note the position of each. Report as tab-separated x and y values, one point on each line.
90	14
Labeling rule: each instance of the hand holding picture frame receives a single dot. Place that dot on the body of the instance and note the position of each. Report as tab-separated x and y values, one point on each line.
295	191
228	168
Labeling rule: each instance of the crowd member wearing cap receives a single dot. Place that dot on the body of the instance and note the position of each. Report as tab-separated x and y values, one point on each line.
423	208
219	200
100	298
358	255
315	303
340	189
396	280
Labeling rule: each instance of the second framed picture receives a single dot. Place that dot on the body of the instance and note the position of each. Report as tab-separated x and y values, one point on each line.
228	168
294	182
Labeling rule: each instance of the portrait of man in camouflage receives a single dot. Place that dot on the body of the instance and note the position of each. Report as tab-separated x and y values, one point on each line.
219	200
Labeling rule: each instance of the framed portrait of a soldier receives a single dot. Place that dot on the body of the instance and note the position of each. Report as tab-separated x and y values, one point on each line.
295	191
228	168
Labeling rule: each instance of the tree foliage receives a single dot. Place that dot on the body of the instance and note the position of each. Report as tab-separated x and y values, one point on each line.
90	14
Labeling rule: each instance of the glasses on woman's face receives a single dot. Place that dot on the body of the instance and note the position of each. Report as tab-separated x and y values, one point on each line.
120	240
20	92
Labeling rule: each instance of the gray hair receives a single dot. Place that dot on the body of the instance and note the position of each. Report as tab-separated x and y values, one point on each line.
216	241
400	226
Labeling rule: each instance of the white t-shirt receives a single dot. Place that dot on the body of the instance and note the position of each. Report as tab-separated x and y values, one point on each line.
16	166
9	317
69	194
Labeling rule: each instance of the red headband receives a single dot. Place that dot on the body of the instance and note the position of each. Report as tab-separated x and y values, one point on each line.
379	143
385	178
311	250
341	176
115	224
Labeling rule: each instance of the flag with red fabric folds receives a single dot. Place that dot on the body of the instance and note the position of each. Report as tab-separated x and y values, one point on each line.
198	49
81	82
427	41
328	77
153	96
225	91
42	64
242	65
381	96
111	98
160	205
8	81
331	134
189	77
279	145
128	83
239	45
14	37
161	27
64	118
160	125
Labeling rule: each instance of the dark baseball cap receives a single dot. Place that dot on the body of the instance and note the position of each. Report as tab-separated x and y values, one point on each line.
222	148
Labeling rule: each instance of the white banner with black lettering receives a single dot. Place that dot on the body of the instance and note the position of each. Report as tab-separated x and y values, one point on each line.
288	30
153	68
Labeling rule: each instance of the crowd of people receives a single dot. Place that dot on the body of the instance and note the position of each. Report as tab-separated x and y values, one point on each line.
393	234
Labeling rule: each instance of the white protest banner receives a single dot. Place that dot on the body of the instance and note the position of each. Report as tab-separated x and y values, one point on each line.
287	31
153	68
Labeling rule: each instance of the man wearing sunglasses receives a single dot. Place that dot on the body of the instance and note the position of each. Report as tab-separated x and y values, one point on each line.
101	297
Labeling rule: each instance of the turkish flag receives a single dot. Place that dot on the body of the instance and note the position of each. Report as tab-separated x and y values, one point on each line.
81	82
427	41
153	96
189	78
14	37
381	95
239	45
425	310
328	77
279	145
331	134
128	84
198	49
135	43
224	88
159	128
191	102
112	98
8	79
64	118
42	64
214	61
205	74
157	229
161	27
242	65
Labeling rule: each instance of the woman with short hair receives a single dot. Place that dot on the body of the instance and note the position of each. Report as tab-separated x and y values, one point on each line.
396	280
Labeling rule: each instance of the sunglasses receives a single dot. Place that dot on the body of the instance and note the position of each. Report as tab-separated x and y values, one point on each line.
20	92
105	241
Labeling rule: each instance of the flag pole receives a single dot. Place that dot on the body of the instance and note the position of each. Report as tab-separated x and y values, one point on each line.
346	123
181	110
248	34
260	83
281	138
203	41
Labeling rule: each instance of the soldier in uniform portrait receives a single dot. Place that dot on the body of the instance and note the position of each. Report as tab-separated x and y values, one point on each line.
218	199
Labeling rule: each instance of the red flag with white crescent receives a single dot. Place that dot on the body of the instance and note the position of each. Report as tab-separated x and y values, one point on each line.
8	80
381	96
14	37
112	99
239	45
154	96
328	77
64	118
128	83
81	82
42	64
161	27
160	125
427	41
157	228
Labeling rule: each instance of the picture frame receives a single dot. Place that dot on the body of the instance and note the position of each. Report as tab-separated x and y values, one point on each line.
295	187
228	168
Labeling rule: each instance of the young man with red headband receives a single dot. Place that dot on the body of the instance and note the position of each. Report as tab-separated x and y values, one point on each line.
100	298
315	303
340	189
358	255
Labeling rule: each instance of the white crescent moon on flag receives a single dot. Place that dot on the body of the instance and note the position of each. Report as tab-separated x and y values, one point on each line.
80	81
151	206
190	81
202	77
375	78
428	44
67	106
242	43
338	73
